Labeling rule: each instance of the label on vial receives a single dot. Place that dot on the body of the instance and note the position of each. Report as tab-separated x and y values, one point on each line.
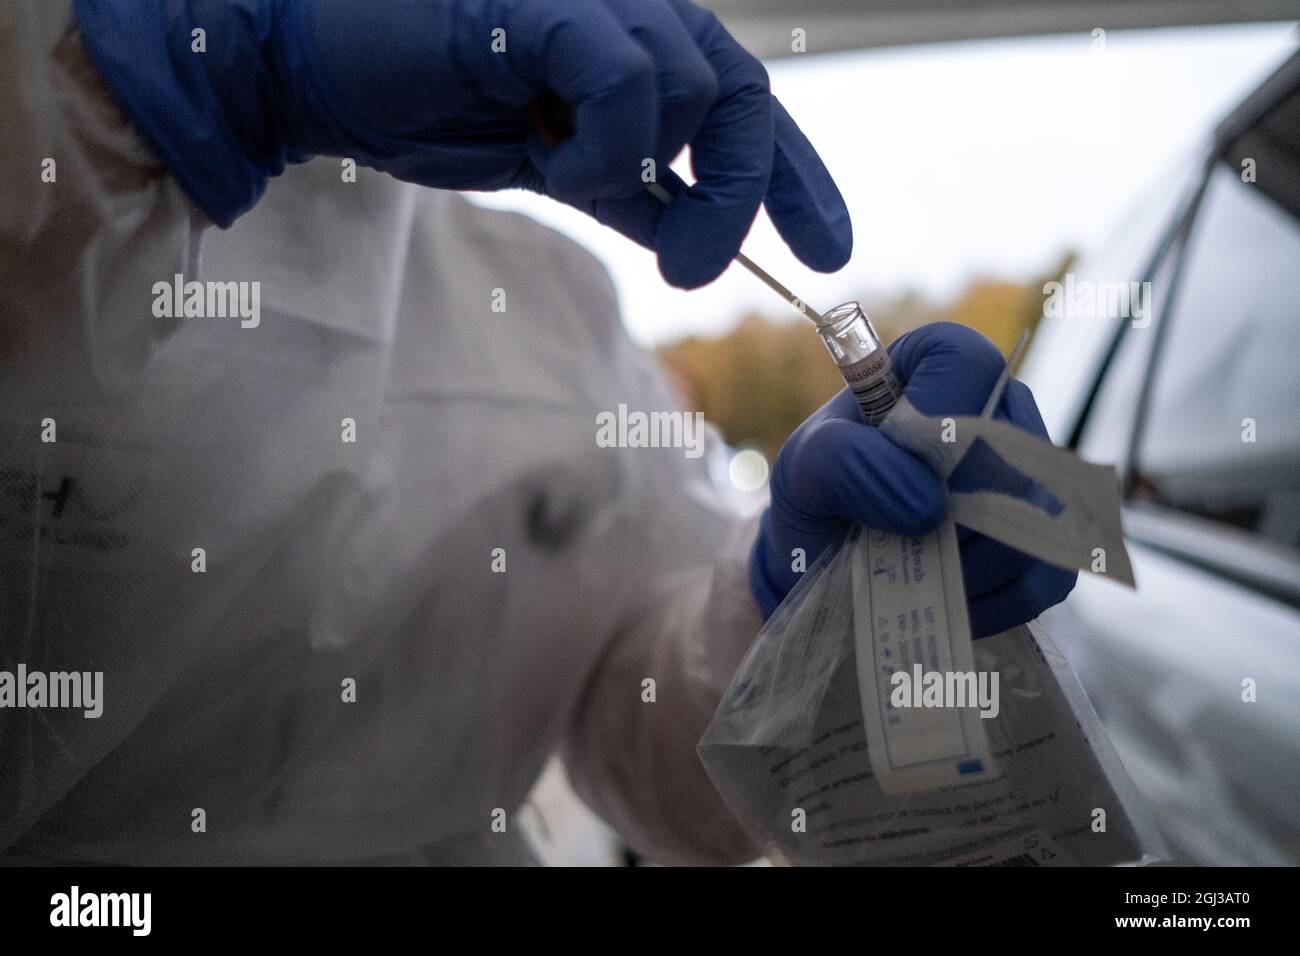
874	385
922	700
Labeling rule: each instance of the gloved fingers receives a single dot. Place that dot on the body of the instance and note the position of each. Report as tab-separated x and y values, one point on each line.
732	160
833	468
775	562
686	83
636	217
1020	600
841	405
947	369
987	564
802	199
801	196
1019	408
805	205
591	62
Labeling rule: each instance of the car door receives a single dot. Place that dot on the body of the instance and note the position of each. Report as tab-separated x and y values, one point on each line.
1197	673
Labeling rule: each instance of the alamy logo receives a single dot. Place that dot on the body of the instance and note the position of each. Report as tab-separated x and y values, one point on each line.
75	908
56	689
179	299
1085	299
946	689
675	429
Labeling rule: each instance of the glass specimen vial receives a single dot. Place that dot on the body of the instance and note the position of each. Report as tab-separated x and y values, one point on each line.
862	360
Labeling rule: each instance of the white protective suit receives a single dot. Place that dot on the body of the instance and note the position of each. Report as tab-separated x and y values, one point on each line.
329	561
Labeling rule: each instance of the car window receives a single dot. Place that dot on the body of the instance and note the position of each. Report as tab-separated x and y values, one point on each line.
1067	352
1221	437
1109	426
1111	415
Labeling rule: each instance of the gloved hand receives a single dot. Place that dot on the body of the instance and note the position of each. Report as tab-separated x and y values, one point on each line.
835	471
441	93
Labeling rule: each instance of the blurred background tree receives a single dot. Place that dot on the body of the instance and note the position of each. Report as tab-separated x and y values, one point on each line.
765	376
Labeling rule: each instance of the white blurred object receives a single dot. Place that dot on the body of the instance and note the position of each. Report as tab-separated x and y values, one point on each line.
561	829
748	470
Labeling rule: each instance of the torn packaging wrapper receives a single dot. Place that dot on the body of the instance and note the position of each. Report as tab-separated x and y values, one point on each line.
1085	532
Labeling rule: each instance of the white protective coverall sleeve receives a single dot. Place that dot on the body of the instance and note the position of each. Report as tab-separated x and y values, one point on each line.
328	561
635	762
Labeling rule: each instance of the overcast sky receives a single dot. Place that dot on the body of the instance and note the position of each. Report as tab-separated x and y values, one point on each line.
958	160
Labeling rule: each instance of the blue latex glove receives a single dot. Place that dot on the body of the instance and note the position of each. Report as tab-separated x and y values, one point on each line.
835	471
417	89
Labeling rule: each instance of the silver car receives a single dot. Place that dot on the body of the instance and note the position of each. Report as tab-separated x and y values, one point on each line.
1174	356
